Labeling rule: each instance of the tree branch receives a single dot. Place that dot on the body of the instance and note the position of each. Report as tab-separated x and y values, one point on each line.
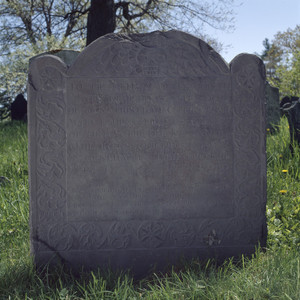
73	18
125	10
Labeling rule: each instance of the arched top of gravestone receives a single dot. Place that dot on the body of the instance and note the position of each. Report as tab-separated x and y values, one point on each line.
158	54
245	64
51	67
46	73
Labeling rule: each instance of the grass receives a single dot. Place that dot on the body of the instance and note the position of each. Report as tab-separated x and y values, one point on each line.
273	274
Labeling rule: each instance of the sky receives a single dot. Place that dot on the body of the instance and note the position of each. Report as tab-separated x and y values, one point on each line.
255	21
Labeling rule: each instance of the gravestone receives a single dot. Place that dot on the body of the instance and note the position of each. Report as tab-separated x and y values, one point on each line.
147	149
67	56
19	108
273	107
290	107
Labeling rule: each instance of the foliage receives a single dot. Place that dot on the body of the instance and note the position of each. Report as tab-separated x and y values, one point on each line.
289	76
30	27
189	16
273	274
288	41
33	20
282	60
14	67
271	57
283	210
5	103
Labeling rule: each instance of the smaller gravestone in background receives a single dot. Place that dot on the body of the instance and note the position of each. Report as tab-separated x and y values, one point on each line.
67	56
290	107
19	108
273	108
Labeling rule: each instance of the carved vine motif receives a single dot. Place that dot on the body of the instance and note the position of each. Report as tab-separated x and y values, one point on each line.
167	56
50	167
51	107
50	197
248	101
249	107
61	237
90	236
50	148
179	234
119	236
120	57
51	136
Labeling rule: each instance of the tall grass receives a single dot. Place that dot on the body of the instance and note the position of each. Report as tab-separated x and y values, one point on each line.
273	274
283	193
14	208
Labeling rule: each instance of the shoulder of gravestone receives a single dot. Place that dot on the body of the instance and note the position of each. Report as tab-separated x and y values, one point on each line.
46	72
66	55
271	86
244	59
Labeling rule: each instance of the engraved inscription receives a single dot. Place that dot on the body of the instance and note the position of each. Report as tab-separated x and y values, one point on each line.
149	147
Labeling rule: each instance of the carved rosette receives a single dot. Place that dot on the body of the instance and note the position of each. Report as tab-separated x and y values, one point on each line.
151	234
182	233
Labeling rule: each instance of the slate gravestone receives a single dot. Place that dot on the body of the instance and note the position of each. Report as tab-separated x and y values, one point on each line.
19	108
290	107
147	149
273	107
67	56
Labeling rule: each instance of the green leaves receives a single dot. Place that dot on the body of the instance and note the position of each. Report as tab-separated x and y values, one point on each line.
282	61
5	103
14	67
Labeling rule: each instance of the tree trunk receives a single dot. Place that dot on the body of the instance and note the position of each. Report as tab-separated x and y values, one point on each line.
101	19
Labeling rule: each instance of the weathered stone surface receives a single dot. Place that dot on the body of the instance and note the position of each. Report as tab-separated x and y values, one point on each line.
273	107
146	149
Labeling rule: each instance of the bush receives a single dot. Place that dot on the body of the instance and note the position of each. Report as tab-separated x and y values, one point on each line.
5	105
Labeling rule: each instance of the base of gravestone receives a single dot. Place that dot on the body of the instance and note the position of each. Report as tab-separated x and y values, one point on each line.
136	265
